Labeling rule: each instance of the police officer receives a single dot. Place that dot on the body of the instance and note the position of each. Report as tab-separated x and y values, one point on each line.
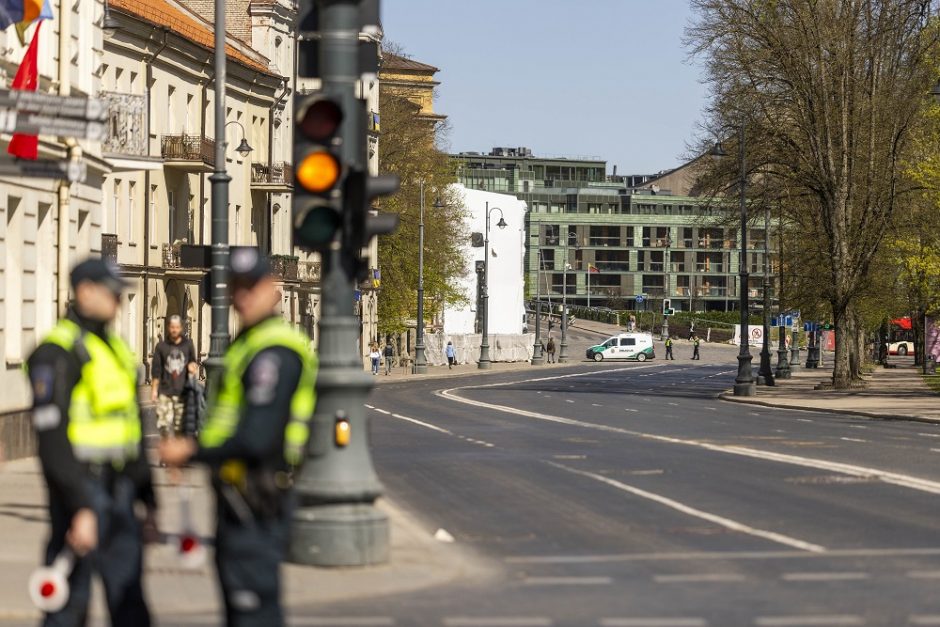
669	354
696	342
87	420
256	429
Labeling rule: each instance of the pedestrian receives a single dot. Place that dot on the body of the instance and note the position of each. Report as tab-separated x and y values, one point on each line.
695	345
550	350
173	359
87	421
632	325
389	356
256	430
451	354
375	356
669	354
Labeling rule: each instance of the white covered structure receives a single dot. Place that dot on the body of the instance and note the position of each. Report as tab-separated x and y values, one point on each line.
508	342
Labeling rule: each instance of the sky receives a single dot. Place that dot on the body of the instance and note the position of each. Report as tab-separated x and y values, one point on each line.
603	78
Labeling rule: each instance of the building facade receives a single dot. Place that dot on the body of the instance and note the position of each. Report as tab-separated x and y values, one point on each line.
658	240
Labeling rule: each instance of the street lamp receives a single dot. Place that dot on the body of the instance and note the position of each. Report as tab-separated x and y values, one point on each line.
765	375
484	363
563	345
537	357
243	148
666	269
783	364
744	382
109	23
421	362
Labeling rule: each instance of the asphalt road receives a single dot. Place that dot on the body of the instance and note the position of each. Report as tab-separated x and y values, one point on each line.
621	494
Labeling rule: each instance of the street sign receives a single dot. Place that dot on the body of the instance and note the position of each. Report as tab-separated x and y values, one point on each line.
639	298
57	169
78	107
12	121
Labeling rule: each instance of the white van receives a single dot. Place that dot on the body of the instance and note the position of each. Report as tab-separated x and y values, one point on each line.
638	346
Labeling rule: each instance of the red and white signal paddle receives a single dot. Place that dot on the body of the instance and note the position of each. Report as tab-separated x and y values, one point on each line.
49	585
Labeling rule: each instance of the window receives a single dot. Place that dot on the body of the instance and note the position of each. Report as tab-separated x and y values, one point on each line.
627	341
115	204
238	220
551	235
131	188
171	214
629	237
152	218
13	279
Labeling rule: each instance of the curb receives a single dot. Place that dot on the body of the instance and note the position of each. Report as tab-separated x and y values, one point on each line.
727	396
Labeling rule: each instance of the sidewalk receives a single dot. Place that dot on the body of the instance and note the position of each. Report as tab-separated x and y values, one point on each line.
894	394
418	560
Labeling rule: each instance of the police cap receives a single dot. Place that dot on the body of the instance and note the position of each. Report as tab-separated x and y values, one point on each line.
247	266
99	271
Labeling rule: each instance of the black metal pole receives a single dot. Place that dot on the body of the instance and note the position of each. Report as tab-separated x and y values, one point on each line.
218	292
563	345
765	374
744	382
783	364
484	363
537	357
421	362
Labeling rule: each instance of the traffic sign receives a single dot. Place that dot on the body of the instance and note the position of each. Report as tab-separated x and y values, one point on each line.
12	121
79	107
639	298
60	169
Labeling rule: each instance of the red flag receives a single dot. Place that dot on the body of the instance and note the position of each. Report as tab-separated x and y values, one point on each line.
27	79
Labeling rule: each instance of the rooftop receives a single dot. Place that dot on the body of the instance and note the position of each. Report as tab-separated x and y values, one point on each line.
395	62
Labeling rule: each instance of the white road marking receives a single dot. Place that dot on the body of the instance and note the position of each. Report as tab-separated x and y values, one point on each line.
825	576
442	535
930	435
857	427
382	411
688	556
568	581
370	406
673	404
628	409
712	408
924	620
805	420
853	440
423	424
340	621
568	400
653	622
497	621
702	578
809	621
935	450
924	574
697	513
569	456
596	405
893	478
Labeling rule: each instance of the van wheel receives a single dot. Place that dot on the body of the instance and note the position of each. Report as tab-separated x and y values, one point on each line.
641	357
598	357
902	350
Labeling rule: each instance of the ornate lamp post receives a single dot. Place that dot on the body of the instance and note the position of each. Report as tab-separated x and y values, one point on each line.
563	345
765	375
537	357
484	363
783	364
744	382
421	362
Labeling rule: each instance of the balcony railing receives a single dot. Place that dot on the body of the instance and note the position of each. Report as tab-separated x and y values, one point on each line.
127	124
308	271
109	247
274	174
283	267
171	256
188	148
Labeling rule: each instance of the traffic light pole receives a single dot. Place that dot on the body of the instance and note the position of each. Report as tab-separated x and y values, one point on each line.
218	293
336	522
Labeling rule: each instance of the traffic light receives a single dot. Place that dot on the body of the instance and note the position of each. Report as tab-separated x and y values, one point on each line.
318	173
667	307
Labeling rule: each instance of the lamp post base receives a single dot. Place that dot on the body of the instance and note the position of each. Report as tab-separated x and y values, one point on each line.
339	535
783	366
537	357
744	383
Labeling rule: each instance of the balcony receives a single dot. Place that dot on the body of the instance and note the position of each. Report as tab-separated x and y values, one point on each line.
190	153
109	247
283	267
127	124
274	178
308	271
171	256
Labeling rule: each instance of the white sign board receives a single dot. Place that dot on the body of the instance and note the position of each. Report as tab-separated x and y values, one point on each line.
755	335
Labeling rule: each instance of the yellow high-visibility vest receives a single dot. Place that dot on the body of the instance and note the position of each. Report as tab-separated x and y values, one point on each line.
225	409
104	419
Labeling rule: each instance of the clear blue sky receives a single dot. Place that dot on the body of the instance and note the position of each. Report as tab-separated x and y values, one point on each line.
564	77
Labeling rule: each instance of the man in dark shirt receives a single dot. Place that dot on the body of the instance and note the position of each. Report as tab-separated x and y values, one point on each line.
173	358
92	494
256	429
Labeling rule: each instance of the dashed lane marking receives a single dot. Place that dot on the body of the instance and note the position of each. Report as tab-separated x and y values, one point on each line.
567	581
697	513
853	440
809	621
691	556
856	576
421	423
700	578
497	621
924	620
893	478
923	574
340	621
653	622
930	435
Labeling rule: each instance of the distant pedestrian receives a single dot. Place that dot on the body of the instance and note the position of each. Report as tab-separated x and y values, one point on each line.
389	355
375	356
550	350
669	354
632	323
173	359
451	353
696	341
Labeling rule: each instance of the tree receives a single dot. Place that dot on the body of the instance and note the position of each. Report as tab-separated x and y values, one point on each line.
409	148
829	91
